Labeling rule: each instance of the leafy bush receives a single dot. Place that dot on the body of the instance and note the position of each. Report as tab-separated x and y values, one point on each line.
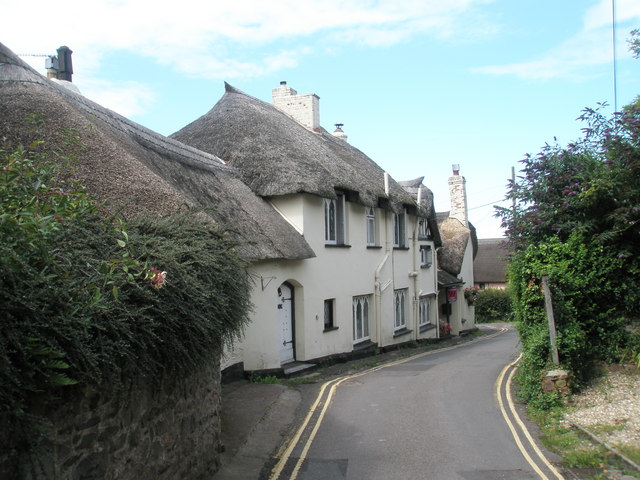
576	219
86	297
493	305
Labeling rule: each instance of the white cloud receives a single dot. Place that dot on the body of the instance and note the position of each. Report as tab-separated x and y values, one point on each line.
126	98
576	57
213	38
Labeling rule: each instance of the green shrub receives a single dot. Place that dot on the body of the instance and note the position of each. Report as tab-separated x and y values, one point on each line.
86	297
493	305
590	327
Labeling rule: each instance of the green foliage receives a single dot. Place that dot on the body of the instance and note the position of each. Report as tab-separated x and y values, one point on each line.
577	220
493	305
86	298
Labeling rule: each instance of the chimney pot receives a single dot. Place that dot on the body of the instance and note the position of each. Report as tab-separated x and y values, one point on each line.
283	82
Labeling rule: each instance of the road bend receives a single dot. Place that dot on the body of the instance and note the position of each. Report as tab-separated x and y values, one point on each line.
440	415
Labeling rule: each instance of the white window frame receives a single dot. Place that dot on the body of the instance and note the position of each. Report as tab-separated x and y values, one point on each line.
424	232
361	314
399	230
400	309
370	218
426	256
425	314
334	226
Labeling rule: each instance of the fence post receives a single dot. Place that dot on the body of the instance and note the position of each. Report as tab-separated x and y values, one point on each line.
548	306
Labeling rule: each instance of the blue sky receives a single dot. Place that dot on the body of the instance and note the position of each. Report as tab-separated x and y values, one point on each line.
418	84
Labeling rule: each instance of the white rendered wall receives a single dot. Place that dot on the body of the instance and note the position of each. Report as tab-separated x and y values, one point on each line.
338	273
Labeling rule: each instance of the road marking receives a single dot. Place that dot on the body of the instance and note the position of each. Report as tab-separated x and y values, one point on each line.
520	423
333	385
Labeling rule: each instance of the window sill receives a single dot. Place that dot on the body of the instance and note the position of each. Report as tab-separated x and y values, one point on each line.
427	327
341	245
425	265
363	345
374	246
400	332
401	248
330	329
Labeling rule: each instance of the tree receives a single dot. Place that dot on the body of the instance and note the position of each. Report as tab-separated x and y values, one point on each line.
577	219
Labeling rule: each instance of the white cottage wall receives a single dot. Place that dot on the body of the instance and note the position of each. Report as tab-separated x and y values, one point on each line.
340	273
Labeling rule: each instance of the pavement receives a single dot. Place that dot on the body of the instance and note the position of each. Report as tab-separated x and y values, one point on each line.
256	419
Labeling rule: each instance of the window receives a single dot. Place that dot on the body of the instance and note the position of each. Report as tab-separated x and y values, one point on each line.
371	225
424	311
426	256
399	303
424	233
360	318
398	230
329	314
334	220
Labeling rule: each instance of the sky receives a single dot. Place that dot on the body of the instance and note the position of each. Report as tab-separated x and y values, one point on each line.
418	84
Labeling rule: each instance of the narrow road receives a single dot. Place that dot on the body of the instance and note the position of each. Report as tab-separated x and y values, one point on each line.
434	417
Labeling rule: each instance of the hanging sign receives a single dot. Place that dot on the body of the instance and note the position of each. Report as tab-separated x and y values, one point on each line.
452	294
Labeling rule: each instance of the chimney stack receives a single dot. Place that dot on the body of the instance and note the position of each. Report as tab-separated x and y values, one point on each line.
305	109
60	67
458	194
338	132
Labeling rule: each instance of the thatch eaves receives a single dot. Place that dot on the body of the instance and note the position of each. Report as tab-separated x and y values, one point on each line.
138	171
278	156
426	208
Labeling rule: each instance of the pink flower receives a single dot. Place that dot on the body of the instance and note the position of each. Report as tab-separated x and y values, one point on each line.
156	278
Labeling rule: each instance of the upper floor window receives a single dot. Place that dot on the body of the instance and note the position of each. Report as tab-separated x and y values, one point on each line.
334	220
399	231
371	225
399	315
424	233
426	256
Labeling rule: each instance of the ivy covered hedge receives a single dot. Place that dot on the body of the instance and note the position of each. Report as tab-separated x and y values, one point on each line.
86	296
576	219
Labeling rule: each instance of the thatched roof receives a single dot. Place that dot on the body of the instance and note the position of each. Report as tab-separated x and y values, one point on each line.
278	156
490	264
455	237
427	207
135	169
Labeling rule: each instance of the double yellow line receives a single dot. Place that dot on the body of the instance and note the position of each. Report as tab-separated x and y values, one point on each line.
330	387
511	368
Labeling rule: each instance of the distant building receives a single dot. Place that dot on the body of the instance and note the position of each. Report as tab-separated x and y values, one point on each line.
490	264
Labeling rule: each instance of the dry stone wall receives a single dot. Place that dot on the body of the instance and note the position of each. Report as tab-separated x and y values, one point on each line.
164	429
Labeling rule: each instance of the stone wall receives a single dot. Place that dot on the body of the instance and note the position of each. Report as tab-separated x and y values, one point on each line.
169	429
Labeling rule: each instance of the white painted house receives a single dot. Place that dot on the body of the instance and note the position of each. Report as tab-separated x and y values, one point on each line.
373	280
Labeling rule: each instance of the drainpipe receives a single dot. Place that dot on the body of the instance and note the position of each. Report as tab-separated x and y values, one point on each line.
378	287
435	273
414	274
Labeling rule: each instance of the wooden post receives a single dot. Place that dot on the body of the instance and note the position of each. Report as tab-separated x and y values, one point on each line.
548	306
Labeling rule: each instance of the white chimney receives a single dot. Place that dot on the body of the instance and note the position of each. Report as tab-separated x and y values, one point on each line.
458	194
305	109
338	132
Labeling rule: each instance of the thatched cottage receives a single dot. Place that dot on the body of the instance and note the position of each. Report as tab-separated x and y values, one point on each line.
373	278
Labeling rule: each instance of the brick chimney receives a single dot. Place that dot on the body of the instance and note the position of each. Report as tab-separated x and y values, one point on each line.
458	194
60	67
305	109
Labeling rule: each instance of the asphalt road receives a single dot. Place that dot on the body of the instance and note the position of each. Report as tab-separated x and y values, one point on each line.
434	417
